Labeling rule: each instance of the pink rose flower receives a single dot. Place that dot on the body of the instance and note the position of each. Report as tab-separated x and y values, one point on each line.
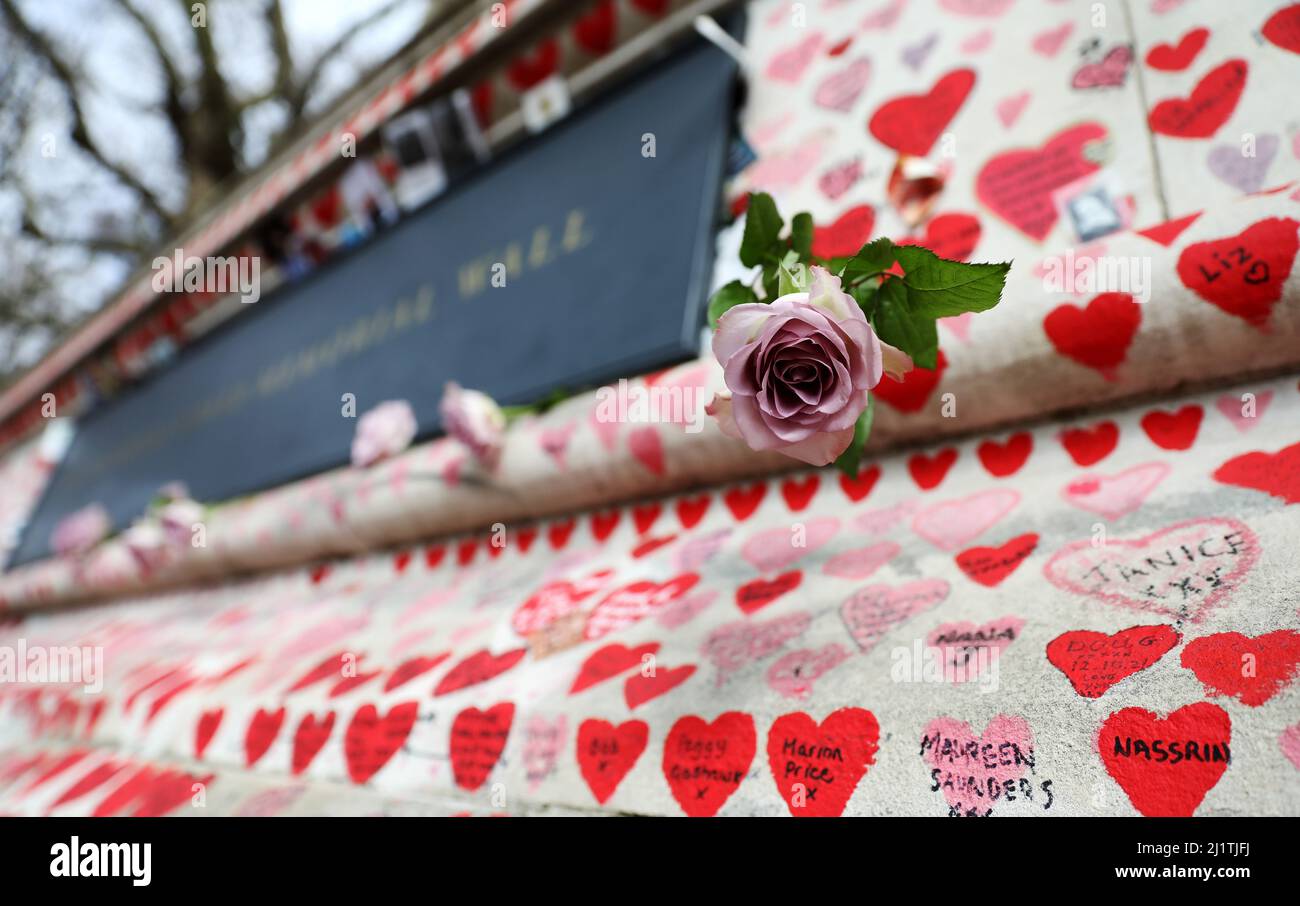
799	370
384	431
474	419
78	532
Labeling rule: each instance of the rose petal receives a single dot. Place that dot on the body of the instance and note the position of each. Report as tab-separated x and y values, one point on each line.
821	449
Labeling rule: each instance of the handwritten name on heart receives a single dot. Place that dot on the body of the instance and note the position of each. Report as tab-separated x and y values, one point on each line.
371	741
1243	275
793	674
733	645
759	593
1182	571
1095	661
704	763
818	766
968	648
1167	765
606	753
1209	106
479	667
477	740
1251	670
975	771
990	565
1018	185
632	603
871	612
608	662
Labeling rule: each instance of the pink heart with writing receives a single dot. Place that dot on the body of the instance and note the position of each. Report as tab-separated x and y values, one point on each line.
789	64
968	649
776	549
733	645
839	90
955	523
695	552
861	562
1243	413
543	740
679	613
793	674
871	612
969	767
1118	495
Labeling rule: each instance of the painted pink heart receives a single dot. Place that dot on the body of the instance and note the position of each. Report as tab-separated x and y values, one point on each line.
871	612
1182	571
861	562
1118	495
648	447
695	552
543	740
978	42
789	64
1010	108
1244	413
959	325
967	649
775	549
973	771
839	90
733	645
877	522
793	674
679	613
953	524
977	7
1049	43
606	429
1290	743
555	440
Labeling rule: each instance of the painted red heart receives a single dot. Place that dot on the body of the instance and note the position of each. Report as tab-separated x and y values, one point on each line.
850	231
1018	185
704	763
639	688
595	30
690	510
650	545
1276	474
333	665
1251	670
433	555
370	742
1283	28
860	486
1208	107
1004	459
479	667
818	766
610	661
524	537
528	70
603	524
951	236
913	123
1094	661
1167	765
1173	430
990	565
759	593
645	516
319	574
1165	233
1243	275
413	667
606	753
1090	445
207	726
465	551
634	602
261	732
929	471
558	532
477	740
744	501
798	492
309	738
1176	58
1096	336
401	561
355	681
913	392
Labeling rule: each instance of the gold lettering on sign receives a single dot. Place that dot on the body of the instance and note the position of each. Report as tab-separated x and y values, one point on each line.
521	255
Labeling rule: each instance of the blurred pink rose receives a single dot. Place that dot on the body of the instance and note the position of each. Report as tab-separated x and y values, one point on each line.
78	532
799	370
384	431
178	518
474	419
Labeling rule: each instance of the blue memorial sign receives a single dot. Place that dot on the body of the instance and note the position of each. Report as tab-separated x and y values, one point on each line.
605	251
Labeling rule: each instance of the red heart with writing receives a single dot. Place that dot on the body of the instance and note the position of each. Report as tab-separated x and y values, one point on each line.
929	471
528	70
818	766
1018	185
1173	430
1137	748
690	510
479	667
1251	670
1176	58
477	740
556	600
951	236
633	602
309	738
798	493
207	726
413	667
1276	474
759	593
990	565
1243	274
606	753
913	123
1211	102
1098	335
744	501
609	661
705	763
857	488
370	742
1094	661
1004	459
1283	28
913	392
639	688
850	231
1090	445
261	732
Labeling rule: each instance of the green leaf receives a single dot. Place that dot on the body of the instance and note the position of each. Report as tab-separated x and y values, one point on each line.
850	461
939	288
874	258
865	295
898	323
801	235
792	275
762	229
728	297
